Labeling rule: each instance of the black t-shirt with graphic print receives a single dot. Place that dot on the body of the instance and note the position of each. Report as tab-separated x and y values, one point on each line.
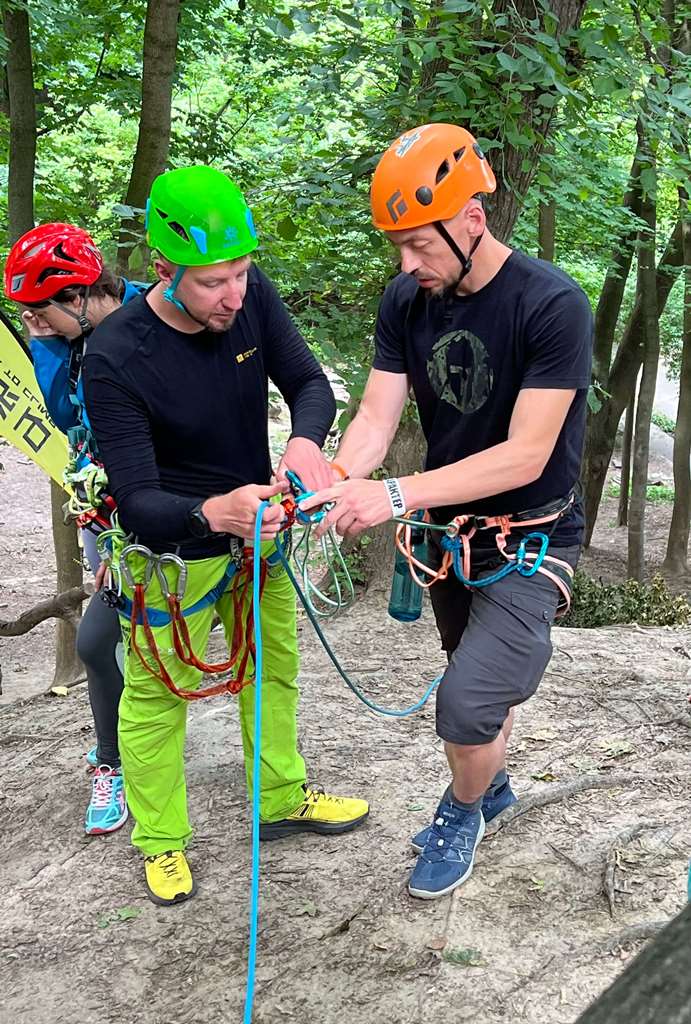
468	357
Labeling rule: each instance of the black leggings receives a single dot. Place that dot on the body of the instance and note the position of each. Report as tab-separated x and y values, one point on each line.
97	638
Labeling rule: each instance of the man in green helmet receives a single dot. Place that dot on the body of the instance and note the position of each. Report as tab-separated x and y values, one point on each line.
176	387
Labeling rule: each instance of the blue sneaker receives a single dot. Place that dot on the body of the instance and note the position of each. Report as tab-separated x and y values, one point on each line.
491	807
92	759
449	854
107	810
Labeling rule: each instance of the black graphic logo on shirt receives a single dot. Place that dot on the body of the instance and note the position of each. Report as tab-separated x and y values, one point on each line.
459	371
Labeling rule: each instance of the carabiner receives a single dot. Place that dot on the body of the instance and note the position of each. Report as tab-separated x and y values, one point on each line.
137	549
178	590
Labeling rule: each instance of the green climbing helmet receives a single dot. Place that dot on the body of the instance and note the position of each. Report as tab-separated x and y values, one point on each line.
196	216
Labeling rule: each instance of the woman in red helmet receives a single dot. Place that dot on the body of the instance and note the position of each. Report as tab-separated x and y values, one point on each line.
57	276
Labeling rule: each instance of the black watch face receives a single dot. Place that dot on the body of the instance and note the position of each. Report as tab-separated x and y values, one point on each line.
198	523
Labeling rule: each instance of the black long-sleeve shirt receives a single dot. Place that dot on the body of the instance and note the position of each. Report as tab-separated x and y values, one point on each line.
180	417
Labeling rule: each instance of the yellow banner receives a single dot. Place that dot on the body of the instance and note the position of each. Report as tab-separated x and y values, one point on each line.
24	419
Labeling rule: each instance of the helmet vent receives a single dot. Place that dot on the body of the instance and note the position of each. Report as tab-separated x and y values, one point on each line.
59	251
442	171
459	153
478	152
52	272
178	229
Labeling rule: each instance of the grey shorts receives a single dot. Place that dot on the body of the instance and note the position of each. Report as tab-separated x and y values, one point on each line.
497	639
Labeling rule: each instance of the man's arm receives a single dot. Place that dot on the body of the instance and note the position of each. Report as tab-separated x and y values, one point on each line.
369	435
123	433
537	419
536	422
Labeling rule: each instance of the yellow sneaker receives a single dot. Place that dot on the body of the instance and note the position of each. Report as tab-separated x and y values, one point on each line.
319	812
168	878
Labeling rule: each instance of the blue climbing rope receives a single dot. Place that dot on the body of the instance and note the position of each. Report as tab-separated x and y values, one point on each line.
389	712
258	668
256	778
520	564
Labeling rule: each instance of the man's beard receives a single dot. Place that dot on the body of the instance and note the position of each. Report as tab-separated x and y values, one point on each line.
219	330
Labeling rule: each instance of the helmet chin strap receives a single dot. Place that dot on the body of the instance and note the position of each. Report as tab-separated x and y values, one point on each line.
465	261
80	317
169	296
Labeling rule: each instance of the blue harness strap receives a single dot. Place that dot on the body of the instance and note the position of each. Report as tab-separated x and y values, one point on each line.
160	618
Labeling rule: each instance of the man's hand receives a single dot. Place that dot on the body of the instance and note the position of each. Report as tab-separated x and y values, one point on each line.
306	459
100	576
36	325
236	511
358	505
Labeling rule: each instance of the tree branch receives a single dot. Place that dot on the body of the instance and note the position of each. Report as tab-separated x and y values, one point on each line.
62	606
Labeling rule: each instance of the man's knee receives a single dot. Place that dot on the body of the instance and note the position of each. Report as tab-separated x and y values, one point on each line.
465	721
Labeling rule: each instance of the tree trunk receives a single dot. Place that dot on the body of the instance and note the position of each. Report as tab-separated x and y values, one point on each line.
646	291
603	425
656	987
612	294
547	213
69	574
160	49
22	164
676	558
405	68
623	513
22	105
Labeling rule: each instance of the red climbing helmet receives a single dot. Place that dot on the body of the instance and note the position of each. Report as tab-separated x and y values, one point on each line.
49	258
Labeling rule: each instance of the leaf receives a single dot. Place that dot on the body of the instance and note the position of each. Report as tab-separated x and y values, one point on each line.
594	403
282	26
507	62
463	957
414	807
308	909
103	921
348	20
135	260
287	228
616	748
122	210
128	913
59	691
542	735
544	777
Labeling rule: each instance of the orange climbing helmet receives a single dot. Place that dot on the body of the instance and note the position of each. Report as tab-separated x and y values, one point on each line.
427	175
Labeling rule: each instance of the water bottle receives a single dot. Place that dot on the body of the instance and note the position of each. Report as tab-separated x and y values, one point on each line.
405	603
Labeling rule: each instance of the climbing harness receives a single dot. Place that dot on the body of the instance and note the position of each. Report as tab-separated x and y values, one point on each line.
457	552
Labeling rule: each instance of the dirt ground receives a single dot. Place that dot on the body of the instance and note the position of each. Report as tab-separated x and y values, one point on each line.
80	943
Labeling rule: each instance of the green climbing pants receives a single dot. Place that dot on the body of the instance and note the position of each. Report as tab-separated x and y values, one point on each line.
152	727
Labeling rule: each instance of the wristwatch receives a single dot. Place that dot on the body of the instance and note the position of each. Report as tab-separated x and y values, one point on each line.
198	523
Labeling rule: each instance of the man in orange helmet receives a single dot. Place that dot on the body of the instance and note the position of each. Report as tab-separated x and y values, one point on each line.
497	348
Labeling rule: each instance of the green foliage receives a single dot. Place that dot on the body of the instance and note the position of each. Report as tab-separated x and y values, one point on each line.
664	422
610	604
655	494
296	101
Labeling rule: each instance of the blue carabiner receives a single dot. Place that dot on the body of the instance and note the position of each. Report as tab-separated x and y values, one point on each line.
529	569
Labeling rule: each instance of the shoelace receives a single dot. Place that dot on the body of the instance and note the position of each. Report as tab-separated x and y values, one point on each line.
444	831
316	794
169	864
102	788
